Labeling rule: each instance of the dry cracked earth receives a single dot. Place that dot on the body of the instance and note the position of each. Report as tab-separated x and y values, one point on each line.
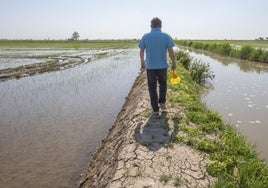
140	150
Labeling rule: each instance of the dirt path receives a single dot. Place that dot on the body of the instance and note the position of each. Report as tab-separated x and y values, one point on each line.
139	150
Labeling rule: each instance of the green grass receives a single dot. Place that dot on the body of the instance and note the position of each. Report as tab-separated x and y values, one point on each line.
233	160
165	178
253	51
69	44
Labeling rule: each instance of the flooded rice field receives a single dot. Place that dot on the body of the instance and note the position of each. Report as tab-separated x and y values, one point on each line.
53	120
21	62
240	95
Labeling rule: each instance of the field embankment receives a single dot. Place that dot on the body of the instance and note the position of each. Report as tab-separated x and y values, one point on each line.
187	146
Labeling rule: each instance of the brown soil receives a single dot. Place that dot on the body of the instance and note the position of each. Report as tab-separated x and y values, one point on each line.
139	150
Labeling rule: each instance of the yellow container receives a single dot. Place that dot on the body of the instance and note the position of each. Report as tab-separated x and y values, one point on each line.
175	79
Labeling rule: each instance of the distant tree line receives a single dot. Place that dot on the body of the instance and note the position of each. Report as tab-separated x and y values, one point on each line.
262	38
246	52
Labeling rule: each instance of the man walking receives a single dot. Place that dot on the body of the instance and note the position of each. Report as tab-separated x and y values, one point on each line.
156	44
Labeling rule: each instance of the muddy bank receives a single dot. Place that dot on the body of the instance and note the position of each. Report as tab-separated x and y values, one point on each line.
139	150
50	64
38	68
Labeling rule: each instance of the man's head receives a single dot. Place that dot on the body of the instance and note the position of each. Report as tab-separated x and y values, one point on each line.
156	23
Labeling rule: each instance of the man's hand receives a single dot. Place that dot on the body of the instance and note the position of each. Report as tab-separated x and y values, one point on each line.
142	60
142	66
172	57
173	67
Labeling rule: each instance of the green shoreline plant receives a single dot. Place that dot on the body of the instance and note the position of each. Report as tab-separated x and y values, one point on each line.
246	52
234	161
200	72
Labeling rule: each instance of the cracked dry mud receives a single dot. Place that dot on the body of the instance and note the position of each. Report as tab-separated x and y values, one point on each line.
140	152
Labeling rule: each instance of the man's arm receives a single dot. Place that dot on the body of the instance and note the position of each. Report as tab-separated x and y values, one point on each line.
172	57
142	60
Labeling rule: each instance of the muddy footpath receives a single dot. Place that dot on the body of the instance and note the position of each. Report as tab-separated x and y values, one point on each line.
139	150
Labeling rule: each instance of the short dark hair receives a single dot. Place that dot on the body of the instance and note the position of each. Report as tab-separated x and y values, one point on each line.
156	23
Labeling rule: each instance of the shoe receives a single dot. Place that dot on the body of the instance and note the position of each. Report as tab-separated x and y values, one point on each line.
155	113
163	106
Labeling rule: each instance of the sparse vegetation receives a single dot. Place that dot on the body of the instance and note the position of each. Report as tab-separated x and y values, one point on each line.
146	144
165	178
177	182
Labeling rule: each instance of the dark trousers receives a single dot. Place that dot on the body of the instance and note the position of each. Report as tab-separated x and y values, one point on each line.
154	76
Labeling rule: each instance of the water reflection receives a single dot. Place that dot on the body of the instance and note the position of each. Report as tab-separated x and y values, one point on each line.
240	96
51	123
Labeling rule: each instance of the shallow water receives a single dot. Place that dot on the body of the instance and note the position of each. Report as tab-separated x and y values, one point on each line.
239	94
12	63
11	58
51	123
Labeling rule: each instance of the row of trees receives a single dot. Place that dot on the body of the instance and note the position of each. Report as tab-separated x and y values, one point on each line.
245	52
262	38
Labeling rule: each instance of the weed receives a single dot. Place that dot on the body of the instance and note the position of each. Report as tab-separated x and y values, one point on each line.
177	182
126	174
208	146
183	58
191	131
146	144
245	52
200	72
179	139
170	145
165	178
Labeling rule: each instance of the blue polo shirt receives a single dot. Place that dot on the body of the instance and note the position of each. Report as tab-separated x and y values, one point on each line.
155	45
